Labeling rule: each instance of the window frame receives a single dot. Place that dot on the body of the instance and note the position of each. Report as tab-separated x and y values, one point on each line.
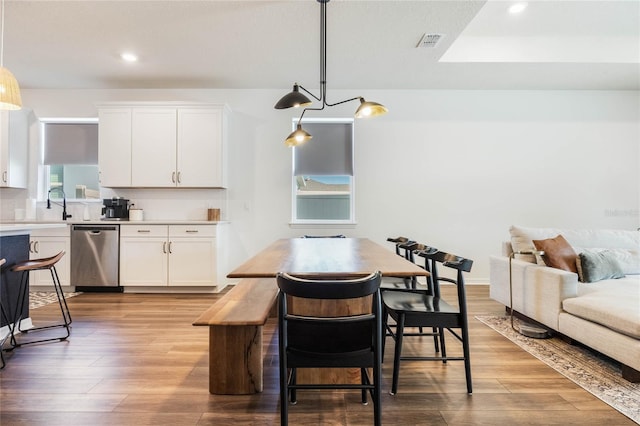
44	170
329	223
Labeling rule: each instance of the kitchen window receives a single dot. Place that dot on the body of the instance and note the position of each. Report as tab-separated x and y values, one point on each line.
70	159
323	174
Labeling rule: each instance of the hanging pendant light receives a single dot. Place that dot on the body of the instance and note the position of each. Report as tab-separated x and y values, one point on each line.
298	137
9	89
295	98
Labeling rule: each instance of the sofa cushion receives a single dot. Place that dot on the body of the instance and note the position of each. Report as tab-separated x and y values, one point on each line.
598	266
611	308
629	260
580	239
557	253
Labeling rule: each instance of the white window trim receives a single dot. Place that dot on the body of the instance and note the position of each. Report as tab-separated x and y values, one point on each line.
323	223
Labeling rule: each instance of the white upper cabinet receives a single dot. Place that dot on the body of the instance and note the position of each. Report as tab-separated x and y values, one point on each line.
14	138
153	152
114	146
170	146
201	150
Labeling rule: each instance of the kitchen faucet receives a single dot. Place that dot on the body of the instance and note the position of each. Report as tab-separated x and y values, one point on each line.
64	202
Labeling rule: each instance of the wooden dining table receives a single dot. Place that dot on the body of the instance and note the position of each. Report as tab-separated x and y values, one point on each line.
335	256
338	257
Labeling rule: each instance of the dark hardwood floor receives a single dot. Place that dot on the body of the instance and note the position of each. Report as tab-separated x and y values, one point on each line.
135	359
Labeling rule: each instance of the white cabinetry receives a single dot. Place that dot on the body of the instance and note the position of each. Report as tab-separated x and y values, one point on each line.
114	147
14	142
165	145
47	243
169	255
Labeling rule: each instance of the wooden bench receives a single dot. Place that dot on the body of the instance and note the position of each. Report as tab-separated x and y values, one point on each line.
235	336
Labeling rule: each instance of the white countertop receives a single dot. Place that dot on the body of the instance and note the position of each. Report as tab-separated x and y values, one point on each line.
19	228
28	225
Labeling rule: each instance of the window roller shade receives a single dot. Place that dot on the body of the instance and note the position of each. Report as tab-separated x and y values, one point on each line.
71	143
330	152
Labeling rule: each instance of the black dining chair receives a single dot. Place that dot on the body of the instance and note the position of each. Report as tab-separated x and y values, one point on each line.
353	341
421	309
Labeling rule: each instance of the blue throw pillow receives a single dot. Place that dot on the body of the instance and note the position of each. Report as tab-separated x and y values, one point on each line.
597	266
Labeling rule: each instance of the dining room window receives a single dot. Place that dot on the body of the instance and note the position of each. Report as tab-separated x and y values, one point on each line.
70	158
323	173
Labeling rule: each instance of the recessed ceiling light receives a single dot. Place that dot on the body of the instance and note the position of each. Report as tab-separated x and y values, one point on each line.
517	8
129	57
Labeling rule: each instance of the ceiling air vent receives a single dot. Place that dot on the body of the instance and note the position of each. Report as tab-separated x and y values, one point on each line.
430	40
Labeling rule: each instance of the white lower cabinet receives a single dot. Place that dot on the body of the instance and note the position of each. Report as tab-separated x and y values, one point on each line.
168	255
46	243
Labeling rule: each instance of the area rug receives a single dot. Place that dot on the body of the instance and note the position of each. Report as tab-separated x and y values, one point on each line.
42	298
593	372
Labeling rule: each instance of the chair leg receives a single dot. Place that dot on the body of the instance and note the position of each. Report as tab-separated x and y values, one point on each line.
364	380
397	354
62	302
436	335
443	348
4	339
467	358
294	395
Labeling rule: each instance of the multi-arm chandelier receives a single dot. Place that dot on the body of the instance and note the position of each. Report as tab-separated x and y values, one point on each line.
297	99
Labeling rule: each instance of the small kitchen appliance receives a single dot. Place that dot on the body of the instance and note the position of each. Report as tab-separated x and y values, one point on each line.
115	208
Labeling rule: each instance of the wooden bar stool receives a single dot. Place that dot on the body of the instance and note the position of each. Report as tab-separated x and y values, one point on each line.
36	265
9	326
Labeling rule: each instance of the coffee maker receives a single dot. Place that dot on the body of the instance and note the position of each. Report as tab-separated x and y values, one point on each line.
115	208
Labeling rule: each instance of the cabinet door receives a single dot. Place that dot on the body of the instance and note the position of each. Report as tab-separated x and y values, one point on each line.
143	261
153	154
200	161
46	247
114	147
192	262
14	141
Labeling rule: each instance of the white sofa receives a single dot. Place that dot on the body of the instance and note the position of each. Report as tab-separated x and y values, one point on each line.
604	315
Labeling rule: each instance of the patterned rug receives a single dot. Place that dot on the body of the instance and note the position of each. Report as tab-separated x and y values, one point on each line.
41	298
593	372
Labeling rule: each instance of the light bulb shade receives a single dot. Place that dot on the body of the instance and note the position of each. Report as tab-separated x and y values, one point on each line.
9	91
298	137
293	99
370	109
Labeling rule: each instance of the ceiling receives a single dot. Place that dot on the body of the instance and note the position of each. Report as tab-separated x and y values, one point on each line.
270	44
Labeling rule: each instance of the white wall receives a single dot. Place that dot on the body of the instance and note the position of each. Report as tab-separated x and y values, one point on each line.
452	169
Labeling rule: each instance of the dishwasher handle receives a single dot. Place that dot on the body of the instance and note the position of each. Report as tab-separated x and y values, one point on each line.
94	229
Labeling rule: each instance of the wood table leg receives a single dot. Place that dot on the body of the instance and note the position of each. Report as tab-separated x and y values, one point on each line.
235	360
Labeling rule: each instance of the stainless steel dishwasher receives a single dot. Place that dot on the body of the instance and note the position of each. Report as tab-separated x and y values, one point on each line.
95	257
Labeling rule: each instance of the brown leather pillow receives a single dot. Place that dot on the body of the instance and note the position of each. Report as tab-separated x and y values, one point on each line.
557	253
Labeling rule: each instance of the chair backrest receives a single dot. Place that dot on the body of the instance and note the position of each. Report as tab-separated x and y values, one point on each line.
324	286
458	263
302	335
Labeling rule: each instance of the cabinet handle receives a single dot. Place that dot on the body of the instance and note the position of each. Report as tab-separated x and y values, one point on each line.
4	176
36	247
179	177
31	247
170	247
191	231
173	177
164	247
144	231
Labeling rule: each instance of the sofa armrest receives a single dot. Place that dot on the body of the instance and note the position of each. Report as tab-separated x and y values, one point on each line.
538	291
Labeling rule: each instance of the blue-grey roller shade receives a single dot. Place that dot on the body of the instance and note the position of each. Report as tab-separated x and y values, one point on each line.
329	152
71	143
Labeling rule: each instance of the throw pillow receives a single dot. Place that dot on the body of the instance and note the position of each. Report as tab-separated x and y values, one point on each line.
597	266
557	253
